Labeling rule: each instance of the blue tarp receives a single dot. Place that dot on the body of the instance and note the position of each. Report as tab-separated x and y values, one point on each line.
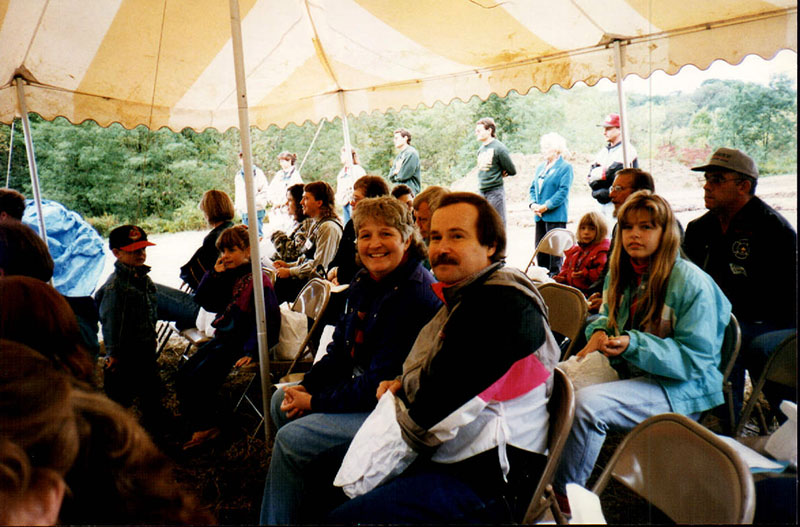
76	248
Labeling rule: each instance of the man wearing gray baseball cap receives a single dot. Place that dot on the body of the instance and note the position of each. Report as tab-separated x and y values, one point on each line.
751	252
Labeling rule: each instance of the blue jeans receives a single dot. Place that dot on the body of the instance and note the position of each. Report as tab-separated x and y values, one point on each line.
619	405
497	199
260	214
348	210
298	444
176	306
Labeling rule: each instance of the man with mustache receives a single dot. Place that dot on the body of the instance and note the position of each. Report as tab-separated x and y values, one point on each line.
483	364
750	251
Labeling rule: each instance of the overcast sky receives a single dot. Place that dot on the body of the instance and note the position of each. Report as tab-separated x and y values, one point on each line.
752	69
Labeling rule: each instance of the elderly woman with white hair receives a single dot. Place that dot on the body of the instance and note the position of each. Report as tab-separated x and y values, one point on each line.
549	194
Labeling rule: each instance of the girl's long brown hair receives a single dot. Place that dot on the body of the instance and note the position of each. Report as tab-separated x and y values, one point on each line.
661	261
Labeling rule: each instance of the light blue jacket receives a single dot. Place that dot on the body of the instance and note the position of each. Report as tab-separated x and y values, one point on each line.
685	359
555	190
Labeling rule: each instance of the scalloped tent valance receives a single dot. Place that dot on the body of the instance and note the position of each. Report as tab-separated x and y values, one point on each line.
168	63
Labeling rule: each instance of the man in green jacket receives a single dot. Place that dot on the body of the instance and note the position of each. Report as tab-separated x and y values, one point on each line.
405	168
494	164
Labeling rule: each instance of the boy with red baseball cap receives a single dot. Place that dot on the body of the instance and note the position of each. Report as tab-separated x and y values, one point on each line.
128	308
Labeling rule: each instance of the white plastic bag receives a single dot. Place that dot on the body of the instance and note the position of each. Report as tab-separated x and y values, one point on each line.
203	322
294	327
378	452
594	368
585	506
782	444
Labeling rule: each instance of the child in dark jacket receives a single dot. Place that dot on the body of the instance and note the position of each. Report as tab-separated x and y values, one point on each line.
584	263
228	291
127	303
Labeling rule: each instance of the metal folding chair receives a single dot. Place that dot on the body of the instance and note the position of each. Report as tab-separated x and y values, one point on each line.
312	300
781	368
567	309
685	470
561	408
554	243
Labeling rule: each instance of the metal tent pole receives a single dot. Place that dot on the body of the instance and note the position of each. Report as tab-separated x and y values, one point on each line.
313	141
623	115
10	153
346	131
255	252
26	129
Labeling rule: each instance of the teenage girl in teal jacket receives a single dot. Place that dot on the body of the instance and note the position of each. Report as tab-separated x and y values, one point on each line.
661	325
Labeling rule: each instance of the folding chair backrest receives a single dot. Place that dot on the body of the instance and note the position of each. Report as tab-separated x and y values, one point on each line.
567	310
555	242
561	408
312	300
685	470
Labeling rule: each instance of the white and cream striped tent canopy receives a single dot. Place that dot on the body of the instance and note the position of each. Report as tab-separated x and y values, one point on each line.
169	63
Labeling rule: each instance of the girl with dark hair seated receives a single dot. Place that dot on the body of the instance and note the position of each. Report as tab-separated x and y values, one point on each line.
228	291
179	306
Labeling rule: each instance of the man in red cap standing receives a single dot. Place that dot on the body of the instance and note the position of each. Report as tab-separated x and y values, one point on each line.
128	308
608	162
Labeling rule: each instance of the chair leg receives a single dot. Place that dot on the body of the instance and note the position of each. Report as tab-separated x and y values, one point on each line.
244	395
185	355
246	398
555	510
727	392
762	421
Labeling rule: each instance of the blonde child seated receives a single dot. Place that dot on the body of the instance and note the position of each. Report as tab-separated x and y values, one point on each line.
584	263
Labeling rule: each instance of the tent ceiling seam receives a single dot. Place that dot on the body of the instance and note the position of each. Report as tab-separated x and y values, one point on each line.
275	48
318	46
499	4
35	31
586	15
158	64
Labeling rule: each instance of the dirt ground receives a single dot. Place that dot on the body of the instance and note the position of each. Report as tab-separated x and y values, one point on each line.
228	474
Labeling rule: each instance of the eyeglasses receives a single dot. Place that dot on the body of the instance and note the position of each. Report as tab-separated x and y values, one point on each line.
618	188
719	178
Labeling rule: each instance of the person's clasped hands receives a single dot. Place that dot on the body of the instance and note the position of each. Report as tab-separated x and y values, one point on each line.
608	346
296	401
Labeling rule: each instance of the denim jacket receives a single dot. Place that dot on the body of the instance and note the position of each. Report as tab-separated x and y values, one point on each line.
684	357
128	311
